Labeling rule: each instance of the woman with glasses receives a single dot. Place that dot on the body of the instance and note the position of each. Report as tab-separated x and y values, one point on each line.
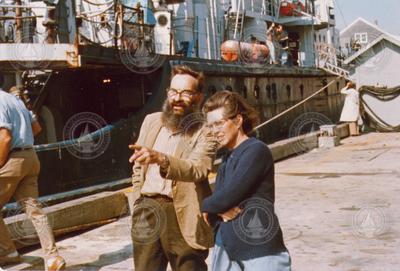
241	209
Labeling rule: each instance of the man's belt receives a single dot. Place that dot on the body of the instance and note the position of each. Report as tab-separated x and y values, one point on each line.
22	149
159	197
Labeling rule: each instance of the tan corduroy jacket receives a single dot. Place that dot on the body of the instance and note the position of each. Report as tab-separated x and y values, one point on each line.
188	170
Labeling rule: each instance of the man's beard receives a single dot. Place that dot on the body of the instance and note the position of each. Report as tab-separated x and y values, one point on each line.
178	122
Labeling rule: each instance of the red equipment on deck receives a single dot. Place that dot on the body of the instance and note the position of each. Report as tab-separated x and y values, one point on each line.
288	8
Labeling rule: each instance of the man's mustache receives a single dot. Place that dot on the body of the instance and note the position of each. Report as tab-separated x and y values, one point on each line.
179	104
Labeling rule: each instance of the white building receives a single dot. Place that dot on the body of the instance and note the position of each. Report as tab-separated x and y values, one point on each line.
377	64
358	35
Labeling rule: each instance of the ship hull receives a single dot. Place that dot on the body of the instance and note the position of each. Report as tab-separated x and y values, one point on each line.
123	98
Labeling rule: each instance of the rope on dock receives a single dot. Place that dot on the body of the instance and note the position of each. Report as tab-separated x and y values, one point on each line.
76	141
294	106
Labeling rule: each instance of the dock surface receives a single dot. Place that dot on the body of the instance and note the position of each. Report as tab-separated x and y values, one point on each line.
338	208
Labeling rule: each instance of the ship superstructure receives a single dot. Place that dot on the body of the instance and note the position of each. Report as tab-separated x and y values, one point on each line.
56	34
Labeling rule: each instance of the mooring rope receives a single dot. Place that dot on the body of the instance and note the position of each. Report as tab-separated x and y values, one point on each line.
294	106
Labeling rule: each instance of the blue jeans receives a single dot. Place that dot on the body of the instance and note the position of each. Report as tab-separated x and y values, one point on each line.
221	261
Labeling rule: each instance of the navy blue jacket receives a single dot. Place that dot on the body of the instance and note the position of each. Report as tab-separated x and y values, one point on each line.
246	179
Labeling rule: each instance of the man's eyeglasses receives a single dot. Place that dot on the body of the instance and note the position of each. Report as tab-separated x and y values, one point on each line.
185	93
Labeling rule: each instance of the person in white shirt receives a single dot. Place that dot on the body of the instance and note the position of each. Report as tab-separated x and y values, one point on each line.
351	108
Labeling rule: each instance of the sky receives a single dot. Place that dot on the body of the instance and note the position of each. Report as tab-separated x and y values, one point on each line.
386	12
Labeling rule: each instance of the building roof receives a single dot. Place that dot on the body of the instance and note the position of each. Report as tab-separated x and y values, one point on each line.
366	22
389	38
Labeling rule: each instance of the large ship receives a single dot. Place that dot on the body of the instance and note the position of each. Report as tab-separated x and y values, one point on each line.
93	69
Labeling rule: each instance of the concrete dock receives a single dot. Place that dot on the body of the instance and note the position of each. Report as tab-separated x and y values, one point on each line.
338	208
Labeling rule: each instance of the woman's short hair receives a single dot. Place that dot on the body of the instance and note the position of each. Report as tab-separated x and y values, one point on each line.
233	104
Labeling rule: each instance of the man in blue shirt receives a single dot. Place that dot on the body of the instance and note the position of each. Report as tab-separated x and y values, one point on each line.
19	171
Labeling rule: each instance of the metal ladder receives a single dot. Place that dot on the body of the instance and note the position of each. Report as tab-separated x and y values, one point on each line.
327	60
239	21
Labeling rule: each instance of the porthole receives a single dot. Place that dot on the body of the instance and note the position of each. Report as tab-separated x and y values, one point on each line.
288	91
244	91
274	93
212	90
302	90
256	92
268	90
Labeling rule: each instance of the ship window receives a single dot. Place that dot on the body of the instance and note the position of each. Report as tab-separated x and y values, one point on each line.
256	92
229	88
170	2
302	90
331	13
288	90
244	91
162	20
268	89
274	93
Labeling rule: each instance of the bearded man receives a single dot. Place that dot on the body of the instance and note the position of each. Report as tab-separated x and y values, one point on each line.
173	157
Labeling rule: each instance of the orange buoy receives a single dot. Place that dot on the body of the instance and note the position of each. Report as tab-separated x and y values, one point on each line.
232	50
229	50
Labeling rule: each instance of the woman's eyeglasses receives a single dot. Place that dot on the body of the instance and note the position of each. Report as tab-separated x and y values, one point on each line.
217	125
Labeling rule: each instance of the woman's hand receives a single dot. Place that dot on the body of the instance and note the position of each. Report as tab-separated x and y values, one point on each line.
205	217
230	214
